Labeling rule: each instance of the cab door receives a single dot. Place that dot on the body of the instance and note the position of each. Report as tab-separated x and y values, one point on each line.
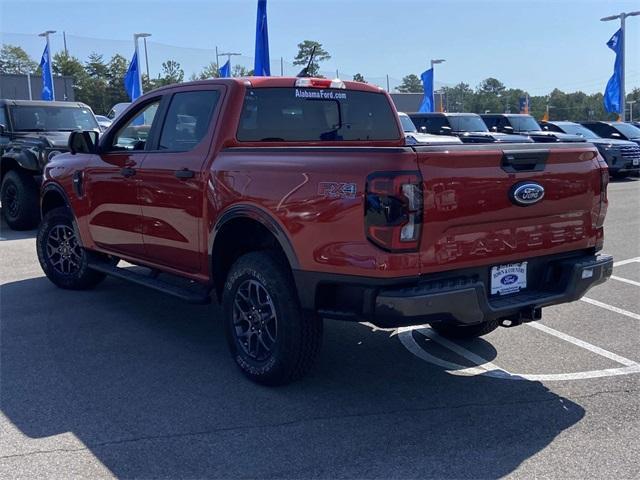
172	181
114	216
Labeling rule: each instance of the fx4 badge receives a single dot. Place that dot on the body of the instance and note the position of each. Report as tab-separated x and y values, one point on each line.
337	190
525	194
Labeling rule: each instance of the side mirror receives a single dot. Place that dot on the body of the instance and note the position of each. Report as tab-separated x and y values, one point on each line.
445	130
545	128
423	129
83	141
2	129
507	129
616	135
494	129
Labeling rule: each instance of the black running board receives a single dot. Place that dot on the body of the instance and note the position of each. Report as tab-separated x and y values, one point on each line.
194	293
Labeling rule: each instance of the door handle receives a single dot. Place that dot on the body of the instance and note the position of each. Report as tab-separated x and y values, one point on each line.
184	174
127	172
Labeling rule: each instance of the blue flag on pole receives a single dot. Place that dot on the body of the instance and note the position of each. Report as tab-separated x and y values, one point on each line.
261	66
225	70
132	79
427	83
612	100
47	77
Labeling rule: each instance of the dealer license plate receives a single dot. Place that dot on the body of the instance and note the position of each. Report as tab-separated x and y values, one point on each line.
636	162
510	278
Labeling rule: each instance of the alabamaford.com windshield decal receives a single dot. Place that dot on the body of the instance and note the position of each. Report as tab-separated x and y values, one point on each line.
321	94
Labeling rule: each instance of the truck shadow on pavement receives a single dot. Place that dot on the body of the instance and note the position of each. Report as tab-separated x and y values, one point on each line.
146	384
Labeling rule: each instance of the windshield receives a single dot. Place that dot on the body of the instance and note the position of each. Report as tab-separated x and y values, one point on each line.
309	114
576	129
31	118
627	130
407	124
524	124
469	123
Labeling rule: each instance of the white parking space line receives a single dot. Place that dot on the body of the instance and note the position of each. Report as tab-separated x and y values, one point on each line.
581	343
625	280
611	308
486	368
624	262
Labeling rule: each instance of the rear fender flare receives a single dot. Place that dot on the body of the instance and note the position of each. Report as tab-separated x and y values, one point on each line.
264	218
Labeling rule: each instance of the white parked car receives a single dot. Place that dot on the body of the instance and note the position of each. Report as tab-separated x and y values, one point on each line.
103	122
117	109
413	137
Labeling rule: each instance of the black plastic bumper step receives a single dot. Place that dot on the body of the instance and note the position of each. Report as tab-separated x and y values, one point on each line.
191	293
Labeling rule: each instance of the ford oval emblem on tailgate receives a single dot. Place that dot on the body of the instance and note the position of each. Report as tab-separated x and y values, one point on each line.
528	193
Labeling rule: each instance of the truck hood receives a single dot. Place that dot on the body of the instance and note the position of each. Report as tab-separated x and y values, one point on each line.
414	138
53	138
611	141
546	136
491	137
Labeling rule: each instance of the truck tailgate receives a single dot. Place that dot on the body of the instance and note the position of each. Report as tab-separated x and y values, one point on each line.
471	218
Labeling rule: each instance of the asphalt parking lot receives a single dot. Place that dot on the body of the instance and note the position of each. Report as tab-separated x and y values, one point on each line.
122	381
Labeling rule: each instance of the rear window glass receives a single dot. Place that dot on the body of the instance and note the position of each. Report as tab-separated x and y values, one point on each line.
307	114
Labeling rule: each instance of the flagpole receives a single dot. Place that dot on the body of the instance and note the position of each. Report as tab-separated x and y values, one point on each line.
136	36
622	18
46	36
623	96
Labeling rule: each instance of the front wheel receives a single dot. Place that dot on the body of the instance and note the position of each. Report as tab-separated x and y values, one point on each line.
465	331
270	338
62	258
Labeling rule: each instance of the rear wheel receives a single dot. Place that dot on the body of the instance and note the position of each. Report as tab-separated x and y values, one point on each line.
19	195
270	338
465	331
62	258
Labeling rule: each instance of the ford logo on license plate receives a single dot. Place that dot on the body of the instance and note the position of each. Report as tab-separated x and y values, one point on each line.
525	194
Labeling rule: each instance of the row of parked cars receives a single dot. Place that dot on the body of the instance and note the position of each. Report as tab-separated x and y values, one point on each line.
617	142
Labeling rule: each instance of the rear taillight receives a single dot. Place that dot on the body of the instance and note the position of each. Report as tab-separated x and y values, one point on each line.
604	183
393	210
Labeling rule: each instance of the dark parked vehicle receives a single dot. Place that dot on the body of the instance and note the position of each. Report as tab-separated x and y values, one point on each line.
622	156
617	130
523	124
31	134
469	127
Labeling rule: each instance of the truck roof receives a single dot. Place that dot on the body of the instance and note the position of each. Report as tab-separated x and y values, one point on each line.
271	82
42	103
505	115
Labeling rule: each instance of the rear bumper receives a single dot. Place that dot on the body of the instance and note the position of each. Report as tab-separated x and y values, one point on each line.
458	297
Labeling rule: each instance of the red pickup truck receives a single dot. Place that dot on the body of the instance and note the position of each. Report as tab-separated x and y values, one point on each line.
294	200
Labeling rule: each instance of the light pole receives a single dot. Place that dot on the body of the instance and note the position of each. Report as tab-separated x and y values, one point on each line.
631	102
136	36
46	35
622	17
229	55
435	62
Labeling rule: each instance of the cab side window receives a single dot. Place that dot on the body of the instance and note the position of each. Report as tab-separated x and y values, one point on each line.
134	133
187	120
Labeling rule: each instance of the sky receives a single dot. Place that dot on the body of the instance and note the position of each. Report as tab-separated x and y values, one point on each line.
535	45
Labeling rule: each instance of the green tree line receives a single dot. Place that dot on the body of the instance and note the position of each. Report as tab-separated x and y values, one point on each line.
99	83
491	95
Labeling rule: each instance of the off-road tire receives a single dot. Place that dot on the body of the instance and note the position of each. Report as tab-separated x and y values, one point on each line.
465	331
79	275
20	200
298	336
